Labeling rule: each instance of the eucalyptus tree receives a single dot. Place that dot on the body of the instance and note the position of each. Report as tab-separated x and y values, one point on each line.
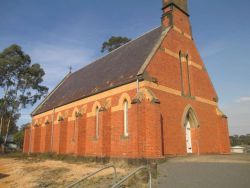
113	43
20	83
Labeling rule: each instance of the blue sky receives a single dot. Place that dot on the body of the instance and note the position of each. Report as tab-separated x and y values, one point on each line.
62	33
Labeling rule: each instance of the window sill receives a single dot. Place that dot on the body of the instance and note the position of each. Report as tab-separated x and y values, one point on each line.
95	138
123	137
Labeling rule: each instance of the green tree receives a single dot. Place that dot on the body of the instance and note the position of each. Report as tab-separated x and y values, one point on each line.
19	136
1	140
114	43
240	140
20	81
12	127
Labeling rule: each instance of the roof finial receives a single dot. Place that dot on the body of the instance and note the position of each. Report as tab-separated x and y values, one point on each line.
70	69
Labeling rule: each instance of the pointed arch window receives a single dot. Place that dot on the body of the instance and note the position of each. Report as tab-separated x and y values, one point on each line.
125	117
97	122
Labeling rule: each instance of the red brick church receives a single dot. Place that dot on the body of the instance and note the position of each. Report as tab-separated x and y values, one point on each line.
149	98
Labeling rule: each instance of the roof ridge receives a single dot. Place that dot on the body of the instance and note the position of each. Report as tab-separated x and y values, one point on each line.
105	55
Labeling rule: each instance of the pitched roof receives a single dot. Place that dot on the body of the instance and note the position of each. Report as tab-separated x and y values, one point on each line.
116	68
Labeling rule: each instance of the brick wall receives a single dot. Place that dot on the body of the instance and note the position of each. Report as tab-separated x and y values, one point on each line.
78	136
189	77
26	142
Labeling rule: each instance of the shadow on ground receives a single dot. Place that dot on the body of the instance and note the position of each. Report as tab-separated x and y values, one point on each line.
3	175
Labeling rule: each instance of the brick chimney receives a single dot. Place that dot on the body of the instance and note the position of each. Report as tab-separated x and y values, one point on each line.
175	13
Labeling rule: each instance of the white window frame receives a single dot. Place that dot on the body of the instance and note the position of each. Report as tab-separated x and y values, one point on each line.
97	122
125	118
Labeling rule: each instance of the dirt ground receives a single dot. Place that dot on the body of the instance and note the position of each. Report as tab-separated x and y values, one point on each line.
196	171
32	172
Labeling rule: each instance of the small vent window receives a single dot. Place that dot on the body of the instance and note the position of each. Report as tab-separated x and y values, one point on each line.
97	122
125	117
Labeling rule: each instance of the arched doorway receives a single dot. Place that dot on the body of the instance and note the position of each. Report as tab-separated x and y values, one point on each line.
189	146
191	126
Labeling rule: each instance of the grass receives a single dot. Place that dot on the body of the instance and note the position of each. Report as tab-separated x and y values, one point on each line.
50	176
122	163
46	180
51	156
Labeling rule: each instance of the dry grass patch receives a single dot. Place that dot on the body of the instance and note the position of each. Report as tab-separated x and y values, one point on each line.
49	173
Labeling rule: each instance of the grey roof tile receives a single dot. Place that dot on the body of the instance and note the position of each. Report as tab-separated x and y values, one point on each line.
116	68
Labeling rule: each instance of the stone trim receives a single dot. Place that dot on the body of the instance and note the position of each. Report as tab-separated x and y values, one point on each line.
145	93
161	88
173	4
176	92
220	113
106	94
191	63
177	29
171	53
93	111
123	137
205	101
120	90
122	98
176	55
189	109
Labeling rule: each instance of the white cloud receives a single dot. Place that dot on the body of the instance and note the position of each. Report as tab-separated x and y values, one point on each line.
56	60
243	99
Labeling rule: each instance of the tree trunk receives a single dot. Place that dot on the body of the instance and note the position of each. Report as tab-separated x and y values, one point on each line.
1	125
1	144
7	131
4	109
2	148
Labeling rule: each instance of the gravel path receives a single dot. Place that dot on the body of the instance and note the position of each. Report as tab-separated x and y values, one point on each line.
231	171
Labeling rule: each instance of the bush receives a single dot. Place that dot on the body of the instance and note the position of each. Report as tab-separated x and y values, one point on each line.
1	140
18	138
